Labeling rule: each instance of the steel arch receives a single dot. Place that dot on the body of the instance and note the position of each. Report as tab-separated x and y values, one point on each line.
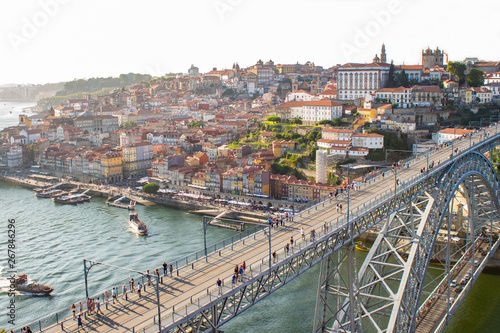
443	184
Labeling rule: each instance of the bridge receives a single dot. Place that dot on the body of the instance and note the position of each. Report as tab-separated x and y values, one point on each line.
447	214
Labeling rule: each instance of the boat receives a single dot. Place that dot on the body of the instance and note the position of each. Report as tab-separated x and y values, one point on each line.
362	247
137	225
72	199
22	284
49	193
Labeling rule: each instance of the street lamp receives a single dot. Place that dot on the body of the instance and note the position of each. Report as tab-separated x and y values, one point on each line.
88	264
453	140
348	166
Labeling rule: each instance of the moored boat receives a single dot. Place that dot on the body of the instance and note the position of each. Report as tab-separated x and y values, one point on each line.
22	284
362	247
49	193
137	225
72	199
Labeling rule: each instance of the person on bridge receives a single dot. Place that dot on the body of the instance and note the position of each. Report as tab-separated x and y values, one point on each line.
219	286
240	274
165	268
291	241
124	292
302	233
106	297
157	273
98	306
132	285
79	321
171	269
113	294
139	288
234	279
274	257
73	309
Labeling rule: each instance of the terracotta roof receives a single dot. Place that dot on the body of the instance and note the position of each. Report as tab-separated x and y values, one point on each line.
323	102
456	131
336	130
356	65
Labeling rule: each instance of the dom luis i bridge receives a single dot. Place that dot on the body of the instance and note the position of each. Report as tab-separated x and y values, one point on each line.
438	211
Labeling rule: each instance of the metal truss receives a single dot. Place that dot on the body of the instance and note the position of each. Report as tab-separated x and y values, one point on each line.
385	294
425	200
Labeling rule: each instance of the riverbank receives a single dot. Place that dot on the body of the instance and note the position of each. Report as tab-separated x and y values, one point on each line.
190	205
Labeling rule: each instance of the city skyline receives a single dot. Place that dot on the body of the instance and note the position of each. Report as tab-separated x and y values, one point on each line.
60	40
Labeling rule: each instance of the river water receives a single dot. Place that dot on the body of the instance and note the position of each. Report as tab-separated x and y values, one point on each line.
9	112
52	240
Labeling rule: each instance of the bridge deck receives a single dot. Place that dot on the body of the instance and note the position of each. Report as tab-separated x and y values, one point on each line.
199	278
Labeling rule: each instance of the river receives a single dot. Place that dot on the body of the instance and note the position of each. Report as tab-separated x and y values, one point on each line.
52	240
9	112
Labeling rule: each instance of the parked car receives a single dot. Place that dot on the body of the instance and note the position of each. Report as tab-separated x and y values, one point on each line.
463	282
453	283
467	276
458	289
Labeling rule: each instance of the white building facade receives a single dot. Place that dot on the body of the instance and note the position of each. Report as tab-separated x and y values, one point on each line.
358	80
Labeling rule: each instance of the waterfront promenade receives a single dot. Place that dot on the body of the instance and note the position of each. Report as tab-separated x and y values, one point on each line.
179	294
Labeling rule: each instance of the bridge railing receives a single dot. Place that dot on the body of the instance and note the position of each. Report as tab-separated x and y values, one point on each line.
182	264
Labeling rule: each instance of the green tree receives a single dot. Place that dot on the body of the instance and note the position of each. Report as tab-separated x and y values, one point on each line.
150	188
391	80
457	68
337	122
325	122
402	80
274	119
130	123
312	154
296	121
228	92
475	78
333	179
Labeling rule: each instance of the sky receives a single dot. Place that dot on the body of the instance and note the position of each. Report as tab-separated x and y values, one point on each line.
44	41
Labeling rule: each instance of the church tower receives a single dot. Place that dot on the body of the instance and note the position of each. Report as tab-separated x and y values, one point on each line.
383	55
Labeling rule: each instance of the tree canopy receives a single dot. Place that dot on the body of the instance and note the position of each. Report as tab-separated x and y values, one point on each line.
274	119
296	121
98	83
391	80
475	78
151	188
457	68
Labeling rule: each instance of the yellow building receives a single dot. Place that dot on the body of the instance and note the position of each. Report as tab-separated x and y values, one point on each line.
370	114
199	180
280	148
111	167
466	95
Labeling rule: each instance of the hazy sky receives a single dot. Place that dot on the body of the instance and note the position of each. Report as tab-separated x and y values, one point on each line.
59	40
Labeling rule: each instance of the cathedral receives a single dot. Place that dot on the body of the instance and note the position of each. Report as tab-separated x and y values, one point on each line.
383	56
